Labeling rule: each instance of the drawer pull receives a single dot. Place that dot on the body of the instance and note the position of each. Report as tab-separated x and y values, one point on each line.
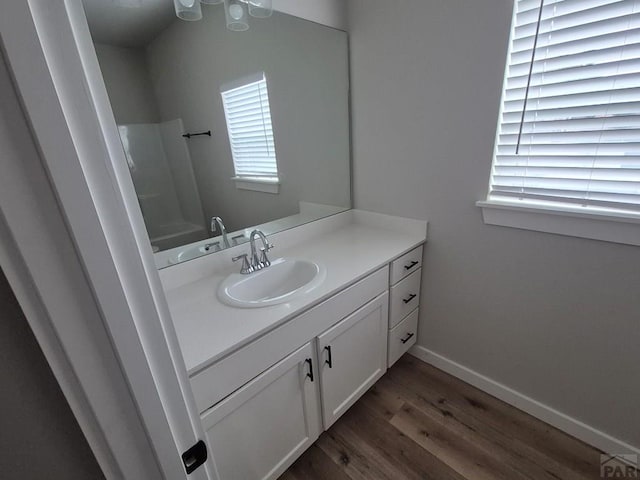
404	340
411	297
328	361
411	265
310	374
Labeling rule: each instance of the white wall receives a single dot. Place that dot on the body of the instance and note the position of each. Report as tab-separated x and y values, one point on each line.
305	63
555	318
127	80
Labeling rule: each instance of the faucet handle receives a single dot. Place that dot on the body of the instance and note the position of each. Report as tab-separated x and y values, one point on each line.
246	268
264	260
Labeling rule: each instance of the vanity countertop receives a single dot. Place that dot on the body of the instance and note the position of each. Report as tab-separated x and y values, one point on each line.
208	330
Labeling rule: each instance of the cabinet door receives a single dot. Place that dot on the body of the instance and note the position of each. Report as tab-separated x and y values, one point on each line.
258	431
352	357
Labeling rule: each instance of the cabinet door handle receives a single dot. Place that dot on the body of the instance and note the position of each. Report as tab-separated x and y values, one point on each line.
411	297
329	360
411	265
409	336
310	374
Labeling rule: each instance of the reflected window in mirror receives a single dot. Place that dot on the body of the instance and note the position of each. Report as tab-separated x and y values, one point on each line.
248	116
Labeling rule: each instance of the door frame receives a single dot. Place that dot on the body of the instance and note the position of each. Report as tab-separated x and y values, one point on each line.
47	47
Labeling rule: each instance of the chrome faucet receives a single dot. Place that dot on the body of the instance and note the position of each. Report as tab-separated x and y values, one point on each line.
259	262
256	262
216	223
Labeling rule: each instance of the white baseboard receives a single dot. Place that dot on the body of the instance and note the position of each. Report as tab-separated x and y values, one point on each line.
567	424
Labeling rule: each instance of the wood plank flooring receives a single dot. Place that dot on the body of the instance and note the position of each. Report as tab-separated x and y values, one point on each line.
420	423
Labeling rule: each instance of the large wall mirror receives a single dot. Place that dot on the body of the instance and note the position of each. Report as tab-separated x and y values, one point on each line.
225	131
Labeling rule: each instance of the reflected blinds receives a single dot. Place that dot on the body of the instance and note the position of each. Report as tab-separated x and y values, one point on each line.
250	131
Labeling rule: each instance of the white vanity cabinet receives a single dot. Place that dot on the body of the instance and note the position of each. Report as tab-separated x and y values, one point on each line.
259	421
258	431
262	406
353	356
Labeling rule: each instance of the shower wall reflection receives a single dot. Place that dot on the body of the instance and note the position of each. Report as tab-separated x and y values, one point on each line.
165	184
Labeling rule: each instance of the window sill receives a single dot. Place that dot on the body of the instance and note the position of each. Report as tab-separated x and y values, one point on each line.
604	226
265	185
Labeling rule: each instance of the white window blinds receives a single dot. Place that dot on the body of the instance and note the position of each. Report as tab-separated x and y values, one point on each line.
246	108
569	131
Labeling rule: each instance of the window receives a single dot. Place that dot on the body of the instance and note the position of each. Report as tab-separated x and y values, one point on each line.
246	108
569	130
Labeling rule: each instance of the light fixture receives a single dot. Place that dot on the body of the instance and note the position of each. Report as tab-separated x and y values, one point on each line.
260	8
188	9
237	15
236	12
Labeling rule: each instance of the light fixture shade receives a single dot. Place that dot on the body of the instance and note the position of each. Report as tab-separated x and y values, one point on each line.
260	8
188	9
237	15
211	2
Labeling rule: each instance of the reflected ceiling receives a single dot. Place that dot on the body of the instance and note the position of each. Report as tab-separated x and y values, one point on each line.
128	23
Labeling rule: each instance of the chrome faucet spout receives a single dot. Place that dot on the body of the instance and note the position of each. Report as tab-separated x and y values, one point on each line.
217	224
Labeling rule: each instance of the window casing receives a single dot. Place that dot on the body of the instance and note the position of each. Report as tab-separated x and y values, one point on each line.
248	116
568	135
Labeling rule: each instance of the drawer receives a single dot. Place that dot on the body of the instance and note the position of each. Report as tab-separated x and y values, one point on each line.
405	265
405	296
403	336
230	373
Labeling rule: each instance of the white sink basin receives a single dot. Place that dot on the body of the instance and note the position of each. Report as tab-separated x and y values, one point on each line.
285	280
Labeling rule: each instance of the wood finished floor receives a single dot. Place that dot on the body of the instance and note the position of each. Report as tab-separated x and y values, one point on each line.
418	422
